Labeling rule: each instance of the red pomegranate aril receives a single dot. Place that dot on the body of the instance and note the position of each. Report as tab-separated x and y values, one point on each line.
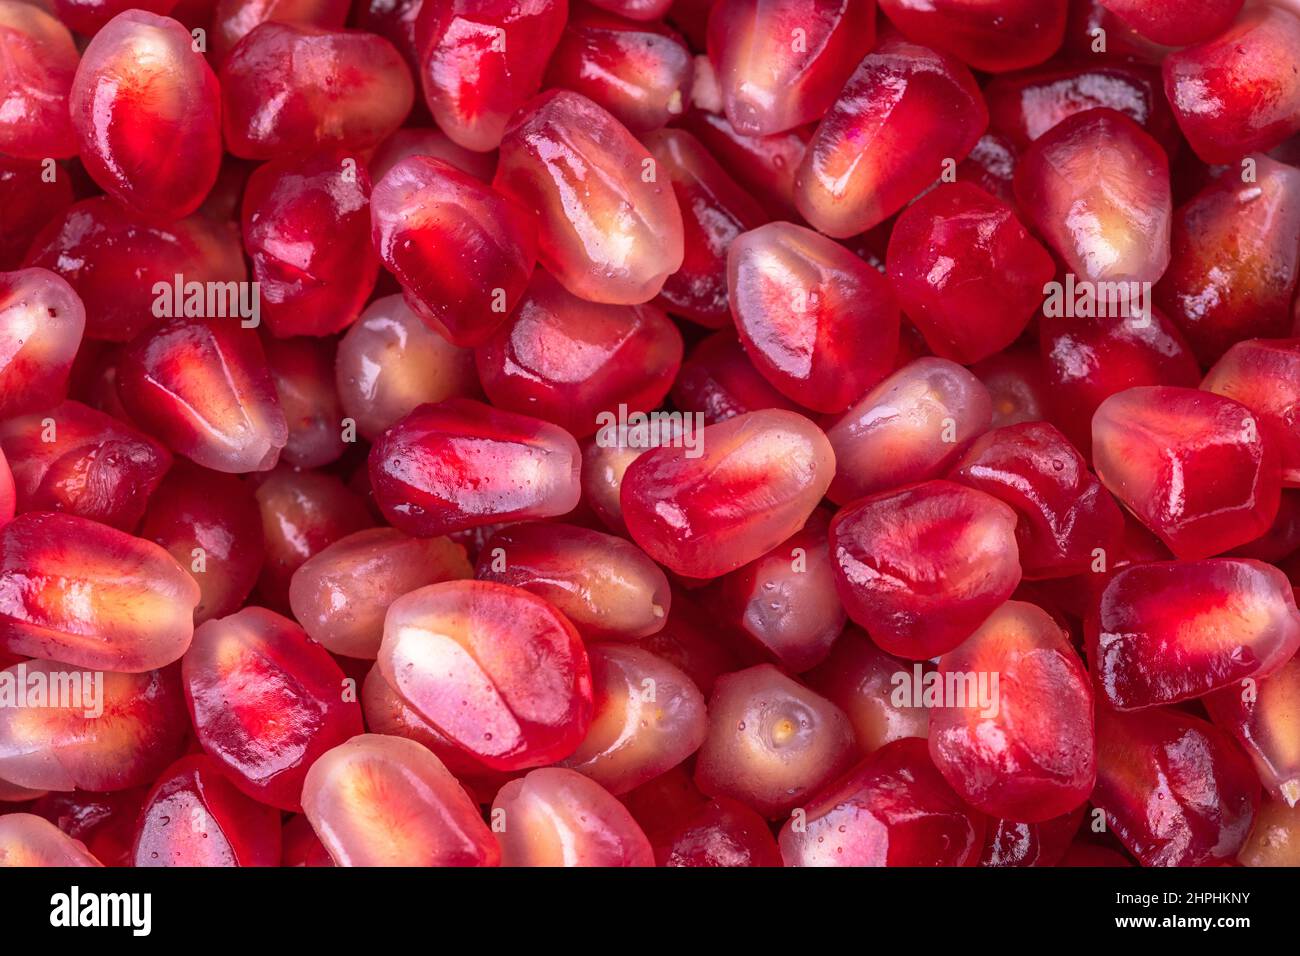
427	141
293	88
892	809
818	323
303	512
765	166
203	387
211	526
719	382
1009	843
1236	256
993	37
1096	187
481	60
781	65
990	165
691	642
1282	539
572	362
194	816
95	731
462	251
390	362
605	586
461	464
125	269
771	741
1065	517
966	272
1175	23
1196	468
1175	789
1015	383
905	111
83	462
32	195
754	482
387	801
300	846
625	237
27	840
35	81
86	594
496	669
647	718
340	594
1086	360
141	83
1234	94
785	601
266	702
722	833
715	210
394	20
1275	838
1264	376
306	226
641	72
232	20
103	822
636	9
922	567
41	324
1262	717
912	426
1021	749
557	817
303	372
87	17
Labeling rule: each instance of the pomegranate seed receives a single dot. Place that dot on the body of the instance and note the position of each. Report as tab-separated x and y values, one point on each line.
647	718
1265	377
87	17
210	525
1262	718
103	822
994	37
722	833
460	464
626	237
720	382
892	809
30	203
116	262
1227	94
1087	360
41	322
204	388
1274	840
818	323
481	60
904	111
92	596
1283	536
232	20
641	72
1008	843
1236	256
498	670
966	271
387	801
636	9
771	741
394	20
774	78
1027	753
1122	44
786	600
990	165
1175	24
605	586
755	482
300	846
1174	789
390	362
35	80
426	141
1014	380
912	426
341	592
303	372
139	84
266	702
194	816
569	362
306	225
426	213
557	817
763	165
1064	514
690	642
1096	187
1196	468
75	459
122	737
29	840
294	88
714	212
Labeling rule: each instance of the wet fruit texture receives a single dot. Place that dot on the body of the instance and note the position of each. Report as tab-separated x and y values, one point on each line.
29	840
41	324
1261	716
40	62
1264	375
31	198
994	37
